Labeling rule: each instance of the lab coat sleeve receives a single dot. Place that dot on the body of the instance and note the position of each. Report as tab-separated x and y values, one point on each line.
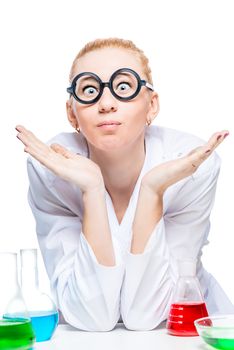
181	233
86	292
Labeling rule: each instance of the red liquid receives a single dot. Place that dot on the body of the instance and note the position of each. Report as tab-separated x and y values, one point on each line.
182	316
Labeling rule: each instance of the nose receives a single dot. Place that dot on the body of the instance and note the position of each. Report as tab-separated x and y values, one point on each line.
107	102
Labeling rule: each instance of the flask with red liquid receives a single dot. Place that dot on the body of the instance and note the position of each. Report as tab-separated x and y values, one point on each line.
188	303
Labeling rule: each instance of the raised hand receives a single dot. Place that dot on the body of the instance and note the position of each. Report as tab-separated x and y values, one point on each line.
71	167
164	175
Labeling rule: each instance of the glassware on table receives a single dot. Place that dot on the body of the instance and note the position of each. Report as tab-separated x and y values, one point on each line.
217	331
188	303
16	330
41	308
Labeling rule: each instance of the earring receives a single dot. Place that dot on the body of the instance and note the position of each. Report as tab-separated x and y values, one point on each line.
78	129
148	122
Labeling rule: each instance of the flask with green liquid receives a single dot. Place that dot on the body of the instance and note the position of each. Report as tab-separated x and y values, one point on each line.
16	330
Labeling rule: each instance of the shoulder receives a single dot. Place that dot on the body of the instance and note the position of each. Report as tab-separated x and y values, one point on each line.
176	144
173	140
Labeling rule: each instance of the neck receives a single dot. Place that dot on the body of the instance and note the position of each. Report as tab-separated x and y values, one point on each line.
120	168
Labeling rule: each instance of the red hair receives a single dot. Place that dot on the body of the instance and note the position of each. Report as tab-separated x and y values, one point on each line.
114	42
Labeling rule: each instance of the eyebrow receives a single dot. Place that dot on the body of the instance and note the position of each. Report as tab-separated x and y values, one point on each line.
93	78
123	73
88	78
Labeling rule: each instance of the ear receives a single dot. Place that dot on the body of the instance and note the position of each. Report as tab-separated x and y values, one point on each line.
154	107
71	115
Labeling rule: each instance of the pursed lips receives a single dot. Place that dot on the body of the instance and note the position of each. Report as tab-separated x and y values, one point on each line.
109	123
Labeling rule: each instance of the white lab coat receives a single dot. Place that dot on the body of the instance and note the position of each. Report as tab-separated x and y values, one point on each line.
139	287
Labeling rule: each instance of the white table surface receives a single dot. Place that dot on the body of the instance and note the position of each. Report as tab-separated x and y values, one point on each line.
69	338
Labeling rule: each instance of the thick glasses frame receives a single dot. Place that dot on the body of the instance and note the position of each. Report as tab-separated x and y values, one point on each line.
141	82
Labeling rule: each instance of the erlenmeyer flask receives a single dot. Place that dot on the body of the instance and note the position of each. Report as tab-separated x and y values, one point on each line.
41	308
188	303
16	330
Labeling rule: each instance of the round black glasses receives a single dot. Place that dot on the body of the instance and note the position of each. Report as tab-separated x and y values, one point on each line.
124	84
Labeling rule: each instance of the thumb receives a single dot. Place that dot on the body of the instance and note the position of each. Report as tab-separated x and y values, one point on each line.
62	150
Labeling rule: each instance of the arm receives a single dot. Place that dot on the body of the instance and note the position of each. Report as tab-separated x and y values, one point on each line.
85	174
150	269
82	261
98	236
157	181
87	292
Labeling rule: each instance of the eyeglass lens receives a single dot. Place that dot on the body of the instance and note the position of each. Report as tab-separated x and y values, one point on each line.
88	87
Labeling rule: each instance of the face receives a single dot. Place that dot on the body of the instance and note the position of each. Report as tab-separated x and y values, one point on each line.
111	123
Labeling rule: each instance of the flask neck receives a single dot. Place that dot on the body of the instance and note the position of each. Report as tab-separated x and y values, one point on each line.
29	271
29	278
187	268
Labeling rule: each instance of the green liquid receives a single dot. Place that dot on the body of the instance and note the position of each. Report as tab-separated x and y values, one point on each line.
220	343
16	333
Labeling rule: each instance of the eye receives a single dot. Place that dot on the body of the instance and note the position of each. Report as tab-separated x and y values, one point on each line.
123	86
90	90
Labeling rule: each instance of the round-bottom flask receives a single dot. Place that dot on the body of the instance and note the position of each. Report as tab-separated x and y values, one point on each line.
41	308
16	331
188	303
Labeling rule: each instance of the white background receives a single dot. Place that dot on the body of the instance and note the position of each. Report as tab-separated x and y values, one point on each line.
190	47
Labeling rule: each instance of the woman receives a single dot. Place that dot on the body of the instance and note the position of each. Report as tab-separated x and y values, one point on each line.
119	201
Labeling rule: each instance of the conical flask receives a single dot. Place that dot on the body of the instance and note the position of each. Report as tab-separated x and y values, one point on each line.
188	303
16	330
41	308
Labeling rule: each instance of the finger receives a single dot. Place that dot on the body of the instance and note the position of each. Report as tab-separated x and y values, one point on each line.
32	144
46	156
19	127
62	151
36	148
54	163
40	151
27	137
199	154
23	131
216	139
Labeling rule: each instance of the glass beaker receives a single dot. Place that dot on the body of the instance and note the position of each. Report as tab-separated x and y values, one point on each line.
16	330
41	308
188	303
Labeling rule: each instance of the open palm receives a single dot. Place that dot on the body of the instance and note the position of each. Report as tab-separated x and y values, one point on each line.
70	166
164	175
